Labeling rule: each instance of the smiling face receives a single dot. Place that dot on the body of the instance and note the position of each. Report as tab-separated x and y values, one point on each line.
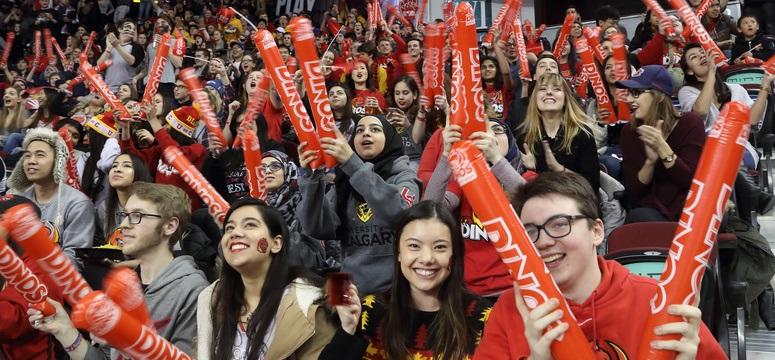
122	173
247	243
180	92
546	65
641	103
414	49
697	61
38	161
384	47
714	11
328	58
338	97
403	96
142	238
550	97
124	92
274	173
369	138
489	70
425	255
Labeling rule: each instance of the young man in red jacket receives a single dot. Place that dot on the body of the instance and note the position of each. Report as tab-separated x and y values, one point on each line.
560	214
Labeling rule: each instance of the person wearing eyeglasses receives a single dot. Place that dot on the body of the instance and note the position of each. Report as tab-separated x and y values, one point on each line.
152	223
661	148
560	213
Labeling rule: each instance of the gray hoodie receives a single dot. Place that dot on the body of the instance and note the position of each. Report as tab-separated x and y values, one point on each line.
171	299
368	249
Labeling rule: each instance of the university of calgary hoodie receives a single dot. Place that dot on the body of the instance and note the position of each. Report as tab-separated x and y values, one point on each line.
612	319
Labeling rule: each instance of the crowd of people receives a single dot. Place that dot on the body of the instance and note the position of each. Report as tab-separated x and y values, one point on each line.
425	280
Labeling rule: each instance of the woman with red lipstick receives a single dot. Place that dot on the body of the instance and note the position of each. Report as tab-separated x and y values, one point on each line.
428	312
260	307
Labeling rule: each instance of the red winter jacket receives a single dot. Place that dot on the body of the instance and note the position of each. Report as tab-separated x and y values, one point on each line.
18	340
613	318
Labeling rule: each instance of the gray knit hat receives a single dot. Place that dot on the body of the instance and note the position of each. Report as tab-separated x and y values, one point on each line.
18	180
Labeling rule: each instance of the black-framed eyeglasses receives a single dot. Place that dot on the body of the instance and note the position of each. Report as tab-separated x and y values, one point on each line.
136	217
556	227
498	130
636	93
272	167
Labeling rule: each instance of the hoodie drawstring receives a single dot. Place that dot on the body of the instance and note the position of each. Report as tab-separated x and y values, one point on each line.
594	321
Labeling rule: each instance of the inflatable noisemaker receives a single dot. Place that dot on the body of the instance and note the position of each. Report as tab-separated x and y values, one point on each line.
123	287
255	105
524	67
44	307
589	69
562	37
315	83
255	170
65	63
292	65
393	11
465	35
421	12
19	276
36	47
699	223
179	48
71	166
433	63
70	84
89	43
510	239
622	73
26	229
8	45
700	12
286	88
693	22
515	8
95	82
215	203
100	316
48	43
198	94
457	99
748	60
769	66
410	68
371	16
159	62
378	11
488	38
594	41
333	26
659	12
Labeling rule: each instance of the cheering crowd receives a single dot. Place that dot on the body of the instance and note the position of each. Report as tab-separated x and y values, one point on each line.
425	281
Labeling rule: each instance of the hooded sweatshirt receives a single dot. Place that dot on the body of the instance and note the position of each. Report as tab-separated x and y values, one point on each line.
612	319
171	300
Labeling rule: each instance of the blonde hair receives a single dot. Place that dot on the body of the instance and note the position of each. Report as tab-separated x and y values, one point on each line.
171	201
575	120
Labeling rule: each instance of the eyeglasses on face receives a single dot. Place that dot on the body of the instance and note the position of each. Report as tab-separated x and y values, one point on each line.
556	227
636	93
272	167
136	217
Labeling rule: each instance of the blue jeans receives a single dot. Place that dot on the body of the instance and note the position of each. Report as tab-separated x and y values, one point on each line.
145	10
13	141
612	161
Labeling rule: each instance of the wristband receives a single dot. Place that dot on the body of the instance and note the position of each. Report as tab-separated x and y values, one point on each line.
75	343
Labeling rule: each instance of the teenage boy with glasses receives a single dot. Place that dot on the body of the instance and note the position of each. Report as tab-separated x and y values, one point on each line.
560	213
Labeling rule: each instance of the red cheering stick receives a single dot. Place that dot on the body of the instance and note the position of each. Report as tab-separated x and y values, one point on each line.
157	69
378	11
457	100
333	26
71	165
594	41
490	36
99	315
48	43
179	48
700	12
36	47
123	287
287	91
198	94
99	85
215	203
315	83
465	34
562	38
255	105
515	7
699	223
293	65
421	12
8	44
371	16
44	307
255	171
748	60
622	73
26	229
769	66
433	63
392	10
516	250
524	67
19	276
89	43
65	63
410	67
693	22
659	12
79	79
590	71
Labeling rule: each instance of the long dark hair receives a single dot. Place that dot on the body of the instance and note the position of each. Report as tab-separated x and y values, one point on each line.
89	185
498	76
344	121
141	174
449	332
228	295
723	94
411	113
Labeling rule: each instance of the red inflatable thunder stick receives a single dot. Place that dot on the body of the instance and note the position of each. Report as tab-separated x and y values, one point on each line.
410	68
61	54
589	69
769	66
656	9
71	166
159	62
8	44
490	36
698	225
215	203
123	287
516	250
457	101
96	83
433	64
179	48
36	46
100	316
255	105
26	229
524	67
594	41
89	43
562	38
315	83
287	91
79	78
622	73
421	14
255	171
693	22
465	35
48	44
198	94
19	276
393	11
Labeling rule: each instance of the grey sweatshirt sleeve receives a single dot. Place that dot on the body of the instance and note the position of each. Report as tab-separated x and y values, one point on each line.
95	353
185	323
387	200
436	190
508	176
316	211
78	227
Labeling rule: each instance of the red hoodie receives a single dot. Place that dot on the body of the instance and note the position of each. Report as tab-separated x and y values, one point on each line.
613	318
18	340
